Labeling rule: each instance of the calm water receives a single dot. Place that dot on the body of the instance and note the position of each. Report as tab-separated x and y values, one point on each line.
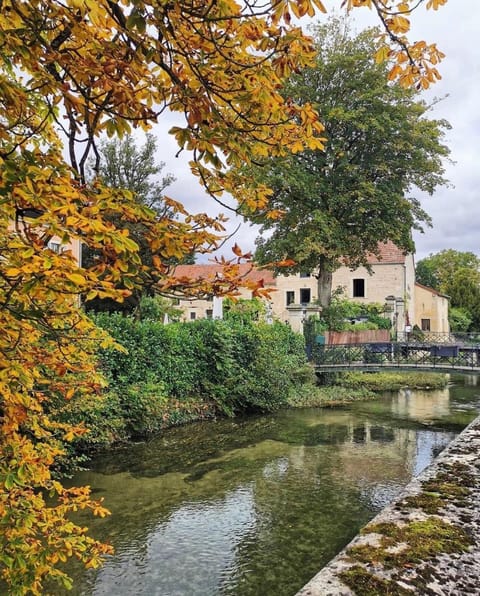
257	506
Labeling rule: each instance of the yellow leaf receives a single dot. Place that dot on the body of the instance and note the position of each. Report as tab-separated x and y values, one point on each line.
76	278
382	54
12	272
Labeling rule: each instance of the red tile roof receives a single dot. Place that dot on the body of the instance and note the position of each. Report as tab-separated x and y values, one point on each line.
208	271
388	253
431	290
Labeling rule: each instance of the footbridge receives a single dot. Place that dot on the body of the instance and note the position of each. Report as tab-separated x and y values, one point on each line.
403	355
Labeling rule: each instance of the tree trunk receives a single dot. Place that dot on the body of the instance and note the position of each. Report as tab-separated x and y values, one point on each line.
324	283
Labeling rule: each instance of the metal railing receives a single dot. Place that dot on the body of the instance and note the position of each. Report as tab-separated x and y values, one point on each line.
397	355
432	337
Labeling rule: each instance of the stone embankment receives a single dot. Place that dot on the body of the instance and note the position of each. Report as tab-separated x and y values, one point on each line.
426	542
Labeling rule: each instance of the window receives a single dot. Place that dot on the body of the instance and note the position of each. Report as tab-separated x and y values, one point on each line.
304	296
55	246
359	288
425	324
209	313
193	316
304	274
290	297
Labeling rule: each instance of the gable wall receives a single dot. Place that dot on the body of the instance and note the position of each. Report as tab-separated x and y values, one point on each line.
431	306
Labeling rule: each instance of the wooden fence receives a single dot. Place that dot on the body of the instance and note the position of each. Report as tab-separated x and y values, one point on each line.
334	338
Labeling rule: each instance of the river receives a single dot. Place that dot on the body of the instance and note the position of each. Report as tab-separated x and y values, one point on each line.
256	506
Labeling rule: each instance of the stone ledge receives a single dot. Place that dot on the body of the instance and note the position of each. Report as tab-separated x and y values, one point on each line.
426	542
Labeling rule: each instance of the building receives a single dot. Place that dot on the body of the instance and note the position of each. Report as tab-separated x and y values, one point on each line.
389	281
204	308
392	274
431	310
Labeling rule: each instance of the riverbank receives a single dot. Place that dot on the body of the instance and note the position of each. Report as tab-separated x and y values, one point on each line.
141	410
426	542
350	387
258	504
169	375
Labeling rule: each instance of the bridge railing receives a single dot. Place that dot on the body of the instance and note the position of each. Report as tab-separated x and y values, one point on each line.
397	354
432	337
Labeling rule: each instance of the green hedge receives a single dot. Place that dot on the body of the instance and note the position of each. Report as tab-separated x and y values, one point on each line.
171	374
240	366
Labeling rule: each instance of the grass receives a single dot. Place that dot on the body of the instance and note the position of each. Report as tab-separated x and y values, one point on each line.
350	387
331	396
392	381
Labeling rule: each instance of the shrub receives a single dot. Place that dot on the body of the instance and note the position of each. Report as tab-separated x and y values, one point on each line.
459	319
272	375
143	408
102	416
340	314
240	365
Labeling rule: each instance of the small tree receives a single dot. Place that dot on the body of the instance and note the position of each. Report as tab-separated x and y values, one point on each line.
125	166
459	319
456	274
243	310
156	308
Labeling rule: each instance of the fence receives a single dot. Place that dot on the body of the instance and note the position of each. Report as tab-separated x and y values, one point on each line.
397	355
430	337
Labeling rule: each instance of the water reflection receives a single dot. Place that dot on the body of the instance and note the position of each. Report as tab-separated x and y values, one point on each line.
472	380
257	506
422	407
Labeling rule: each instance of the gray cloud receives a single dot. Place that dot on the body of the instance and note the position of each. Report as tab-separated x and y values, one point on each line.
455	211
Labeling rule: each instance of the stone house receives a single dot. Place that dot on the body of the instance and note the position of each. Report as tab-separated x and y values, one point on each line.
431	309
390	282
204	308
25	218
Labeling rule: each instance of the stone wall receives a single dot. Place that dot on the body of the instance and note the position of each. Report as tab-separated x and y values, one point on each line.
426	542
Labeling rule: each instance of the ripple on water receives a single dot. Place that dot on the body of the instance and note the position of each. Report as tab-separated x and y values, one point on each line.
195	546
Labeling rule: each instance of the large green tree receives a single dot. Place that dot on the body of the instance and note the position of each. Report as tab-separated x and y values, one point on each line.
381	149
437	270
456	274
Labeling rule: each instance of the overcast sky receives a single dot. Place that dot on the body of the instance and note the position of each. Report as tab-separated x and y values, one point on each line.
455	211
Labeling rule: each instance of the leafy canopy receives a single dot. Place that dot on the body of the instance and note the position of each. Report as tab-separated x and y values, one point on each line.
71	71
437	270
335	206
124	165
456	274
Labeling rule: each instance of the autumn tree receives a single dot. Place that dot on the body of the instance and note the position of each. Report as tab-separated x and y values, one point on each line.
71	72
338	204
